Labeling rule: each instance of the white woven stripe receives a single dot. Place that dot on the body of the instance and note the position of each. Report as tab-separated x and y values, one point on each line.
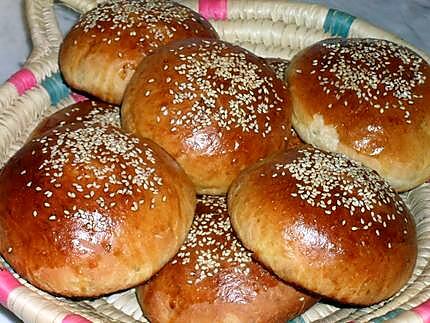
32	308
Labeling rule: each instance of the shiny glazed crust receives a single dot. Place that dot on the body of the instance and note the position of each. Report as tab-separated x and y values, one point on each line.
325	223
215	107
87	210
214	279
101	52
368	99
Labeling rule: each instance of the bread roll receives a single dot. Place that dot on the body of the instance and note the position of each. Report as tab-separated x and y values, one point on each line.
88	111
214	279
368	99
101	52
87	210
215	107
325	223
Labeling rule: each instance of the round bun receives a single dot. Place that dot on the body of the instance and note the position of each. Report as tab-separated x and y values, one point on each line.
107	210
216	280
215	107
101	52
325	223
86	111
368	99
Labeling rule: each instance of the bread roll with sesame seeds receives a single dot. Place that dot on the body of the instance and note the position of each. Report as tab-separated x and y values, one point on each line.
88	111
325	223
214	279
368	99
101	52
87	210
215	107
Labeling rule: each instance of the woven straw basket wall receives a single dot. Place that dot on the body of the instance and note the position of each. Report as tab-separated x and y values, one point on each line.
271	28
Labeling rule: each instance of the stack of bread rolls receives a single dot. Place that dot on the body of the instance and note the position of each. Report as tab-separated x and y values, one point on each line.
300	164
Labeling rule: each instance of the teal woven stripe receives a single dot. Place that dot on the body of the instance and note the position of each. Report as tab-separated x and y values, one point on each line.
298	319
338	23
389	315
56	88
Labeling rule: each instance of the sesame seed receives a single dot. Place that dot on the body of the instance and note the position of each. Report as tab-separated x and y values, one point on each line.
251	94
358	189
362	67
48	194
121	18
111	149
211	245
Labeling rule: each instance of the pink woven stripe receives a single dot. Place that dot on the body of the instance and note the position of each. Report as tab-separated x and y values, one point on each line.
78	98
7	284
74	318
23	80
423	311
213	9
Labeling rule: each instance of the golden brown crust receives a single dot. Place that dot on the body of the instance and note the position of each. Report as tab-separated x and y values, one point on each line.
87	111
368	99
214	279
88	210
215	107
325	223
100	54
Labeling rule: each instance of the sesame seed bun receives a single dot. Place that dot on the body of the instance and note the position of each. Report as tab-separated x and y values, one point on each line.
216	280
368	99
215	107
325	223
101	52
86	111
88	210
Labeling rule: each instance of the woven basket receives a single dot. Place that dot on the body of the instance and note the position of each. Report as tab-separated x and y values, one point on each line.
269	28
